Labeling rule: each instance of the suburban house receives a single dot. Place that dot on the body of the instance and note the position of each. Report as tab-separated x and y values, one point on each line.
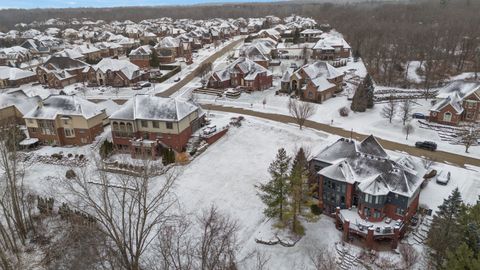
457	102
14	56
371	195
65	120
314	82
59	71
146	124
311	35
36	47
331	47
141	56
118	73
14	105
260	51
243	72
168	49
14	77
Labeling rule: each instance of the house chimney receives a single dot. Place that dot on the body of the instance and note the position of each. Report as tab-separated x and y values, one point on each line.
40	103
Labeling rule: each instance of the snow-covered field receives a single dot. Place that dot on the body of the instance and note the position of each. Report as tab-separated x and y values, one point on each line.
226	175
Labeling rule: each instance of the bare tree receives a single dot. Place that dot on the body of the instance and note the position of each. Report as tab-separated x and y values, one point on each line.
301	111
176	246
15	209
406	110
409	255
128	208
322	259
408	128
469	135
389	109
218	241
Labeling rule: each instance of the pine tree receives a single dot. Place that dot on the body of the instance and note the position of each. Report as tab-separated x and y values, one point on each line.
445	233
298	190
363	97
463	258
470	224
154	62
274	193
370	88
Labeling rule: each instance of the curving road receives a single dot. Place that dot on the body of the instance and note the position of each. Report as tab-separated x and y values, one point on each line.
438	156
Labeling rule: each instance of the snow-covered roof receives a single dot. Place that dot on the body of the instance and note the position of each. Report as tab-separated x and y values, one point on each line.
147	107
13	74
23	103
64	105
453	95
129	69
329	41
367	164
320	69
249	68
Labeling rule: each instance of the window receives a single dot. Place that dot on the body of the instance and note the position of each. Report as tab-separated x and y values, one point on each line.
144	123
30	121
376	214
447	117
66	121
155	124
69	132
400	211
169	125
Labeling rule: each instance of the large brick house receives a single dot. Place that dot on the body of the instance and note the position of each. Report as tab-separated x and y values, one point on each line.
147	124
314	82
457	102
65	120
59	71
370	194
14	77
141	56
331	47
118	73
242	72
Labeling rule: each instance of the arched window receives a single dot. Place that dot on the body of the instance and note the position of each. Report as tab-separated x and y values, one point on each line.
129	127
447	117
115	125
122	127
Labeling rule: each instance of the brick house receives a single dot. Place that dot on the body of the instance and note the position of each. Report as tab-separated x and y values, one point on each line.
458	102
65	120
314	82
14	77
118	73
147	124
59	71
331	47
141	56
14	105
14	56
260	51
244	73
371	195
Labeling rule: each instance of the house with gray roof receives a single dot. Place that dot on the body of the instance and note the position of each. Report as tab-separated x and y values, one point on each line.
146	124
363	187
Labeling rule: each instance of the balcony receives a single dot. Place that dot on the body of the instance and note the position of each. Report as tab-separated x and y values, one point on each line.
358	225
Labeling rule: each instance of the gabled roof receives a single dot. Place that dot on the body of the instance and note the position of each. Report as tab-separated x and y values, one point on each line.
129	69
13	74
64	105
23	103
320	69
147	107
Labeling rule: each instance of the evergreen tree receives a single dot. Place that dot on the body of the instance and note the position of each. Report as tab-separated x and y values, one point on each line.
445	233
296	36
154	62
274	193
298	190
462	259
370	89
470	224
360	98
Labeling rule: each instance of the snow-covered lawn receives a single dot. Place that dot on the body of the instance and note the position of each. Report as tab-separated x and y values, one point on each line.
226	175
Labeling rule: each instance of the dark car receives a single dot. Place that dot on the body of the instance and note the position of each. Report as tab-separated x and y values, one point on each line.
426	145
419	116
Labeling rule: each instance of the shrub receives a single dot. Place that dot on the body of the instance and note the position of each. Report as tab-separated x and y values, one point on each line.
70	174
81	157
106	149
315	209
70	155
57	156
344	111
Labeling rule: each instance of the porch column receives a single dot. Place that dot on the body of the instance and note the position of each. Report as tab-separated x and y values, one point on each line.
346	230
337	217
396	237
370	240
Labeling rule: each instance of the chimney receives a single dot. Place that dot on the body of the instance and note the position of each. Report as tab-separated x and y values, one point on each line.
40	103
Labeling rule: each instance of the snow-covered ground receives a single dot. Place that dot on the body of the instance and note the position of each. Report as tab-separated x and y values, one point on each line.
226	175
369	122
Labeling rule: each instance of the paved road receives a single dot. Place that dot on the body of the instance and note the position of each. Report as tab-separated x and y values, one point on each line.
439	156
195	72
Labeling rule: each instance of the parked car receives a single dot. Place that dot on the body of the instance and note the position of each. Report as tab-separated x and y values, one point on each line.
145	84
293	65
443	178
428	145
136	87
419	116
210	129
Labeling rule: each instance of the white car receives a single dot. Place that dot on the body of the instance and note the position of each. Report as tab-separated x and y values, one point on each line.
443	177
210	129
